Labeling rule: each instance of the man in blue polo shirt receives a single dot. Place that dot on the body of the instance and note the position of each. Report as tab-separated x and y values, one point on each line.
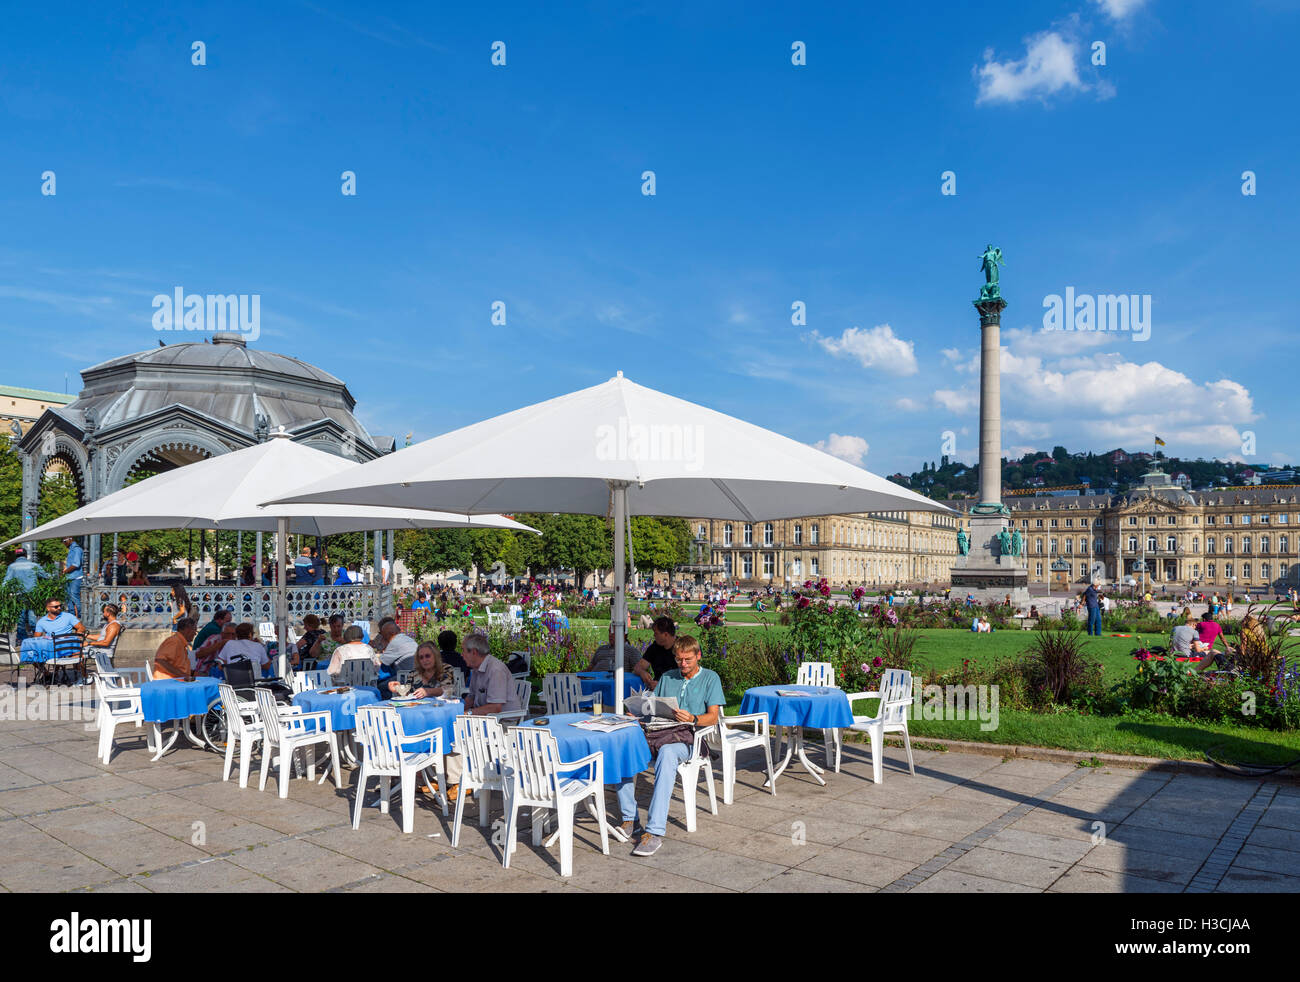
40	646
74	569
26	573
698	692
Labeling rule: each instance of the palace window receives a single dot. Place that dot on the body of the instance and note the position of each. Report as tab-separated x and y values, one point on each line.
1052	546
1069	523
1069	545
815	570
769	564
1227	545
1132	543
1151	543
1245	571
727	535
748	560
1263	543
1038	544
1209	570
1038	569
813	534
1038	523
767	534
1132	519
1196	543
1245	519
749	534
798	534
1283	544
1151	519
1263	570
1227	570
1171	543
1053	523
1245	544
1209	545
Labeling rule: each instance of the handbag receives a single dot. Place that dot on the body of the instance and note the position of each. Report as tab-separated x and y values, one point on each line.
664	735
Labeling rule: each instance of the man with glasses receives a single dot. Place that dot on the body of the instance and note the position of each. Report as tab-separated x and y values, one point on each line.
39	648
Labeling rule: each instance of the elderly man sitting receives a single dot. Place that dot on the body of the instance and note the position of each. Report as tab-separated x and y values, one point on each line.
491	690
174	659
396	650
603	661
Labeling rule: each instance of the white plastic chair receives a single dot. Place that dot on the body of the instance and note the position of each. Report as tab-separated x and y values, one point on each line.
244	731
730	742
358	671
895	696
482	743
821	673
528	664
690	771
495	620
524	691
456	690
308	680
562	693
286	731
266	633
533	780
379	731
119	704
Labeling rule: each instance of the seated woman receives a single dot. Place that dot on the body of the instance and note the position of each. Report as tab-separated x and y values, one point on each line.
324	649
137	576
112	628
353	647
244	647
430	677
308	645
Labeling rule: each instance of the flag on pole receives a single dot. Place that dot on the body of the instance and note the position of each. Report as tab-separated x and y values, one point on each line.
1159	442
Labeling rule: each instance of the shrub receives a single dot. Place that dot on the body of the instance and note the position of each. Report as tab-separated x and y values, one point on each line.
1055	662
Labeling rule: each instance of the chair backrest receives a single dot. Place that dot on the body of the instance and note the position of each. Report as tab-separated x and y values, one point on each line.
68	645
895	695
358	671
230	706
266	632
305	680
561	693
816	673
457	687
379	731
103	660
269	712
524	690
482	743
536	761
108	685
494	618
292	636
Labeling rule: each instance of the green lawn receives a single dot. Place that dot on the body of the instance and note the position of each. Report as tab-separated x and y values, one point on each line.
946	649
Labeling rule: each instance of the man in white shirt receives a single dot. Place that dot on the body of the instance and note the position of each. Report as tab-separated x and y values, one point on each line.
244	647
396	650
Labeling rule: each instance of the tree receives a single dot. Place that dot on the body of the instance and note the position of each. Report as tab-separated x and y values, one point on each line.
11	498
58	497
427	551
660	543
579	542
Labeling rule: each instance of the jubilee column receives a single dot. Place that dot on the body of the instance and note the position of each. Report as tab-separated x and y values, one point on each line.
992	569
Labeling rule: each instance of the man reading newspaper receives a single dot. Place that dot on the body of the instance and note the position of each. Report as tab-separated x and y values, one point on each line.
693	696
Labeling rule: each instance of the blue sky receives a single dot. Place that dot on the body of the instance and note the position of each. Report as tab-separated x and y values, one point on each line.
775	183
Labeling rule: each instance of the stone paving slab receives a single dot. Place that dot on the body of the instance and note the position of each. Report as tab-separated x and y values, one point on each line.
964	823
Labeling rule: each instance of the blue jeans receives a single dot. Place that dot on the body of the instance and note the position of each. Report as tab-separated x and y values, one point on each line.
670	756
74	596
1094	621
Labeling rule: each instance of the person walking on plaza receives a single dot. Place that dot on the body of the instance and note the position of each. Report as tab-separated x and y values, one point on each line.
1093	600
73	569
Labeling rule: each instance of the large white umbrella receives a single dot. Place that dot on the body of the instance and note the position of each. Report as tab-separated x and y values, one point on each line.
617	449
225	492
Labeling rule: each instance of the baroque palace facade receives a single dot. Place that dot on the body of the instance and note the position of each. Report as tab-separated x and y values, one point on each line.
1161	534
875	549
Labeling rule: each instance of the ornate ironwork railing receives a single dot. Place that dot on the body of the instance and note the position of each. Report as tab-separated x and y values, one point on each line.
149	608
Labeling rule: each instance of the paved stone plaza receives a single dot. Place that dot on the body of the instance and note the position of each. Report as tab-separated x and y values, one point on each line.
965	823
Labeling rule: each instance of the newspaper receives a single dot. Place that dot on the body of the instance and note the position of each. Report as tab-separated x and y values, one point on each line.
606	723
794	692
649	706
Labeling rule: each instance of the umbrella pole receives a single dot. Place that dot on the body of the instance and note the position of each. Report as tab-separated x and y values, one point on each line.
257	562
619	607
281	600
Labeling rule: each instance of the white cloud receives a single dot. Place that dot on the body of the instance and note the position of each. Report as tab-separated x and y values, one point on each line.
908	405
1048	68
876	348
951	354
850	448
1119	9
960	401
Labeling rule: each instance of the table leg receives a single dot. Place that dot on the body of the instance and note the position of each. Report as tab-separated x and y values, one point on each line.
187	727
785	761
158	740
809	766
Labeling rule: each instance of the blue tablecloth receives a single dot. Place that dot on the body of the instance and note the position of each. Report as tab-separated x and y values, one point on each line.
626	752
603	682
825	708
429	714
169	699
38	650
342	706
552	617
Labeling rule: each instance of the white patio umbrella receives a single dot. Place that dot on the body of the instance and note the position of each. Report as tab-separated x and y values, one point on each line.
617	449
225	492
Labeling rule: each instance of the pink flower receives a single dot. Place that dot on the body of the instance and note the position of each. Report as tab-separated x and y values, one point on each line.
876	662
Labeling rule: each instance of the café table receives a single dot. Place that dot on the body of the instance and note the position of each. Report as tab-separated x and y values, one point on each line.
342	707
426	715
625	751
823	708
165	700
603	683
